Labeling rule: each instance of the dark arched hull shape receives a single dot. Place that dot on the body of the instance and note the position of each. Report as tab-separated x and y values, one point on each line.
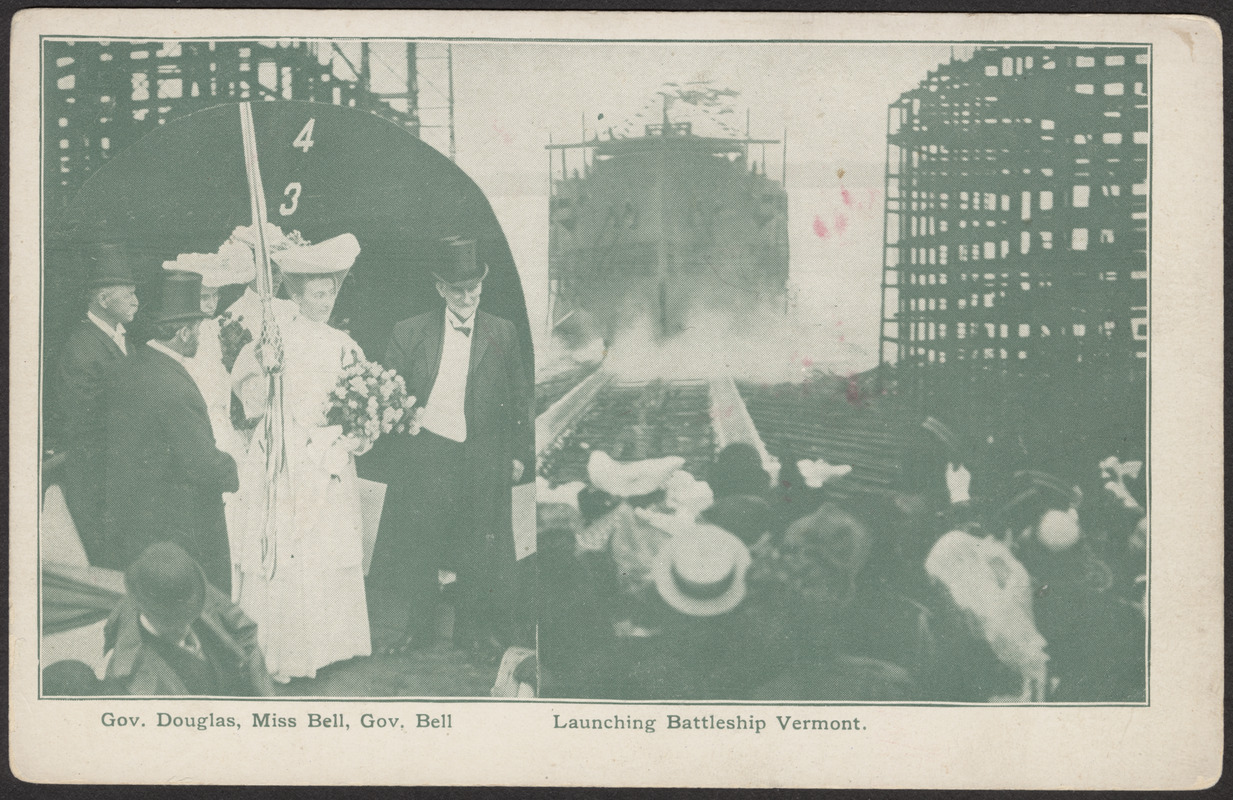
183	189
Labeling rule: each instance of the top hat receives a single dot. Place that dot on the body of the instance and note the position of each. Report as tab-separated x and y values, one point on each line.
108	265
701	572
167	585
179	298
457	264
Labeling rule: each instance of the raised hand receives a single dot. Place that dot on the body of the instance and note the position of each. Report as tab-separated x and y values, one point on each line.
958	482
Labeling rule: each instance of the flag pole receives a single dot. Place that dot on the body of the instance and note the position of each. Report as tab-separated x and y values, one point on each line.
269	350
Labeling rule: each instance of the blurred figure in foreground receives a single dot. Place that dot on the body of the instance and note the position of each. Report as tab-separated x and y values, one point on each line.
175	634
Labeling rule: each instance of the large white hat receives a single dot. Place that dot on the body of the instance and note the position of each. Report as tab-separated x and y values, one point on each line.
818	472
702	572
630	478
215	269
324	258
239	261
687	495
275	239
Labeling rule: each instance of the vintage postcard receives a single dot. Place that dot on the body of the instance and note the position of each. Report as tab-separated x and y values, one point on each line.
616	399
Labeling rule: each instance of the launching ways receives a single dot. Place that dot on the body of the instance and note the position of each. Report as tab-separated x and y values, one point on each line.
694	419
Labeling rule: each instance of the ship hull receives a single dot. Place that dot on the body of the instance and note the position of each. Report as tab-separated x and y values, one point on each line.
666	236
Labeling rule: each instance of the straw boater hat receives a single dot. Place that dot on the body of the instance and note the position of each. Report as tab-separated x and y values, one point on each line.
216	269
701	572
458	266
108	264
178	299
167	585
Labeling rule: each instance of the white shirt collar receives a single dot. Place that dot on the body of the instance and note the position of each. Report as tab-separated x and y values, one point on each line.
162	348
457	321
190	642
117	331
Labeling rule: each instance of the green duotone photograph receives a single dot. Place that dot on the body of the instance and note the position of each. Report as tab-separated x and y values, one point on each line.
776	372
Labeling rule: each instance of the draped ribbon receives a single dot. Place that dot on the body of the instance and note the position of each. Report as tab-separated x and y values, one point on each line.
269	353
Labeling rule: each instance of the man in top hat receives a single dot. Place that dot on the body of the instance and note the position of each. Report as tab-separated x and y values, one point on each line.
93	349
165	476
448	503
206	366
174	634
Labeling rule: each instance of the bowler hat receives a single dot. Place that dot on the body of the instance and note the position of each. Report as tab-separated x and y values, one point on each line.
457	264
167	585
108	265
179	298
737	469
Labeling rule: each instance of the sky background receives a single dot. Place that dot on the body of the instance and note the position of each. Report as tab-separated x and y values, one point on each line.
510	98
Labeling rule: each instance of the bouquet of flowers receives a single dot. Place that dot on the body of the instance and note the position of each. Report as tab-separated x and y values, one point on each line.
370	400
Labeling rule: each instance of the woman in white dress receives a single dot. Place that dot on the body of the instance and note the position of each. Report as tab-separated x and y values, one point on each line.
302	578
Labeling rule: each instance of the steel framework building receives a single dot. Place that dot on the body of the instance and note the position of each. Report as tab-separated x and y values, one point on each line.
1016	219
100	96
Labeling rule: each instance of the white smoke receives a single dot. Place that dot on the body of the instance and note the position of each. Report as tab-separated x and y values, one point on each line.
766	347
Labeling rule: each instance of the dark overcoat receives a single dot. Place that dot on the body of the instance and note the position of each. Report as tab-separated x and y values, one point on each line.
498	408
228	639
499	395
82	372
165	479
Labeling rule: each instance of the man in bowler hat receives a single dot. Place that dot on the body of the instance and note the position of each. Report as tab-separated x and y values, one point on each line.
448	502
93	349
165	477
174	634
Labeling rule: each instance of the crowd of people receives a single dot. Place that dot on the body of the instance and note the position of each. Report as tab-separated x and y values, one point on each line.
800	586
205	458
248	561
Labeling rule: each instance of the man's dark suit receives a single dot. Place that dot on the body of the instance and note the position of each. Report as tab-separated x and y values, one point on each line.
84	368
447	505
165	478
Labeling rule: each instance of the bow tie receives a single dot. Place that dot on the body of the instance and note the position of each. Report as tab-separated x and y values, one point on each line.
465	330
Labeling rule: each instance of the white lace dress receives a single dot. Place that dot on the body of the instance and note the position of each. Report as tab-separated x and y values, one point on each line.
304	583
